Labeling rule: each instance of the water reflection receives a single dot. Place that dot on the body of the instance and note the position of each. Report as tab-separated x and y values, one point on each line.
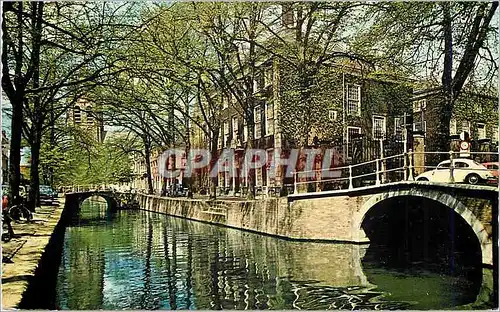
141	260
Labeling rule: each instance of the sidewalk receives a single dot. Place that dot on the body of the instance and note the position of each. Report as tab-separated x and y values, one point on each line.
20	256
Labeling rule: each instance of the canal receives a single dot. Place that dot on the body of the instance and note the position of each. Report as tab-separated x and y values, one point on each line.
145	260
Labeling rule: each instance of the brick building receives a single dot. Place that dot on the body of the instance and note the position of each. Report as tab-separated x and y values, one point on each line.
351	112
475	115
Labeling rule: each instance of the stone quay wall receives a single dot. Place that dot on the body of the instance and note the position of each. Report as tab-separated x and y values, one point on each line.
272	216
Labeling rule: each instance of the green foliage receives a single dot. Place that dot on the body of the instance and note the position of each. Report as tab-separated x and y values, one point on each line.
84	161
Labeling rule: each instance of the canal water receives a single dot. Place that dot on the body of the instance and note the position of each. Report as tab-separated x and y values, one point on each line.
145	260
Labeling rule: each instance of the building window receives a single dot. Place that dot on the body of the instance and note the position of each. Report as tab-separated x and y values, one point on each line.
257	122
245	131
481	131
235	128
269	127
332	115
226	101
77	114
268	78
379	127
90	118
398	128
453	126
226	133
419	105
220	138
353	100
259	81
466	126
419	126
352	133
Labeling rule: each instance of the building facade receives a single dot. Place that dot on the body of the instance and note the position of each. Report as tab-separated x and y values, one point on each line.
474	119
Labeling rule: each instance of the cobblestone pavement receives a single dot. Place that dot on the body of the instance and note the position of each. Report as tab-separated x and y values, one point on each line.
20	256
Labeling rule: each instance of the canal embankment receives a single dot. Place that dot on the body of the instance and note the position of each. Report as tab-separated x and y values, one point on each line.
21	256
271	216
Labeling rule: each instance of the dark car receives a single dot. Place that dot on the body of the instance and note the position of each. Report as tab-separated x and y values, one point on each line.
47	194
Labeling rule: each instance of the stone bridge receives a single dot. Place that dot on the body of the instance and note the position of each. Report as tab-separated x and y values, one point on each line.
339	215
113	199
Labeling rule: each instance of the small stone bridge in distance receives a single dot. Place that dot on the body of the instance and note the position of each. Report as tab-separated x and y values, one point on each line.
113	199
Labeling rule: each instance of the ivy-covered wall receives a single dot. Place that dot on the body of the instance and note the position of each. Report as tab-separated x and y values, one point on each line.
326	93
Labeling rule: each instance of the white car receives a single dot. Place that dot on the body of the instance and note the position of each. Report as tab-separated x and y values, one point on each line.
465	171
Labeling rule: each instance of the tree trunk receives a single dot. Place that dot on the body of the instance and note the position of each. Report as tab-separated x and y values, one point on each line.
147	152
251	136
36	137
33	194
441	137
15	148
213	163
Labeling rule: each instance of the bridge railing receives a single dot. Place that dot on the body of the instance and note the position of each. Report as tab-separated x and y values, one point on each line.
396	168
85	188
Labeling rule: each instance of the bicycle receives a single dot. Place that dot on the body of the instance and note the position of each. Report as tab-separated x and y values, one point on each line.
20	212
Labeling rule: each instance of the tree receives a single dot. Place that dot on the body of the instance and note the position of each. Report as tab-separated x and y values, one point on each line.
72	43
442	43
20	57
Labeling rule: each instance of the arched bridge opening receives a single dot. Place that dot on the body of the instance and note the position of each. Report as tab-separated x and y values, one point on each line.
100	205
422	235
411	230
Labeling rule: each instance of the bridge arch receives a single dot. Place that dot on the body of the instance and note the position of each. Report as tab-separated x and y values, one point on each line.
76	199
446	200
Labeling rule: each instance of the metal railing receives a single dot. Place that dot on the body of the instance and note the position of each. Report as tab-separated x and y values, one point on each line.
84	188
381	172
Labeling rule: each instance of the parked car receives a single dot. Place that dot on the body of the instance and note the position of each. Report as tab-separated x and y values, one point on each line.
493	166
47	194
22	190
466	171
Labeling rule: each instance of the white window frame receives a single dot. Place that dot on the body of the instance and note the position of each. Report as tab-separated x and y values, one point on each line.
350	127
415	125
234	123
483	136
226	133
419	105
220	139
384	128
398	124
332	115
467	128
257	122
453	126
358	100
245	131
